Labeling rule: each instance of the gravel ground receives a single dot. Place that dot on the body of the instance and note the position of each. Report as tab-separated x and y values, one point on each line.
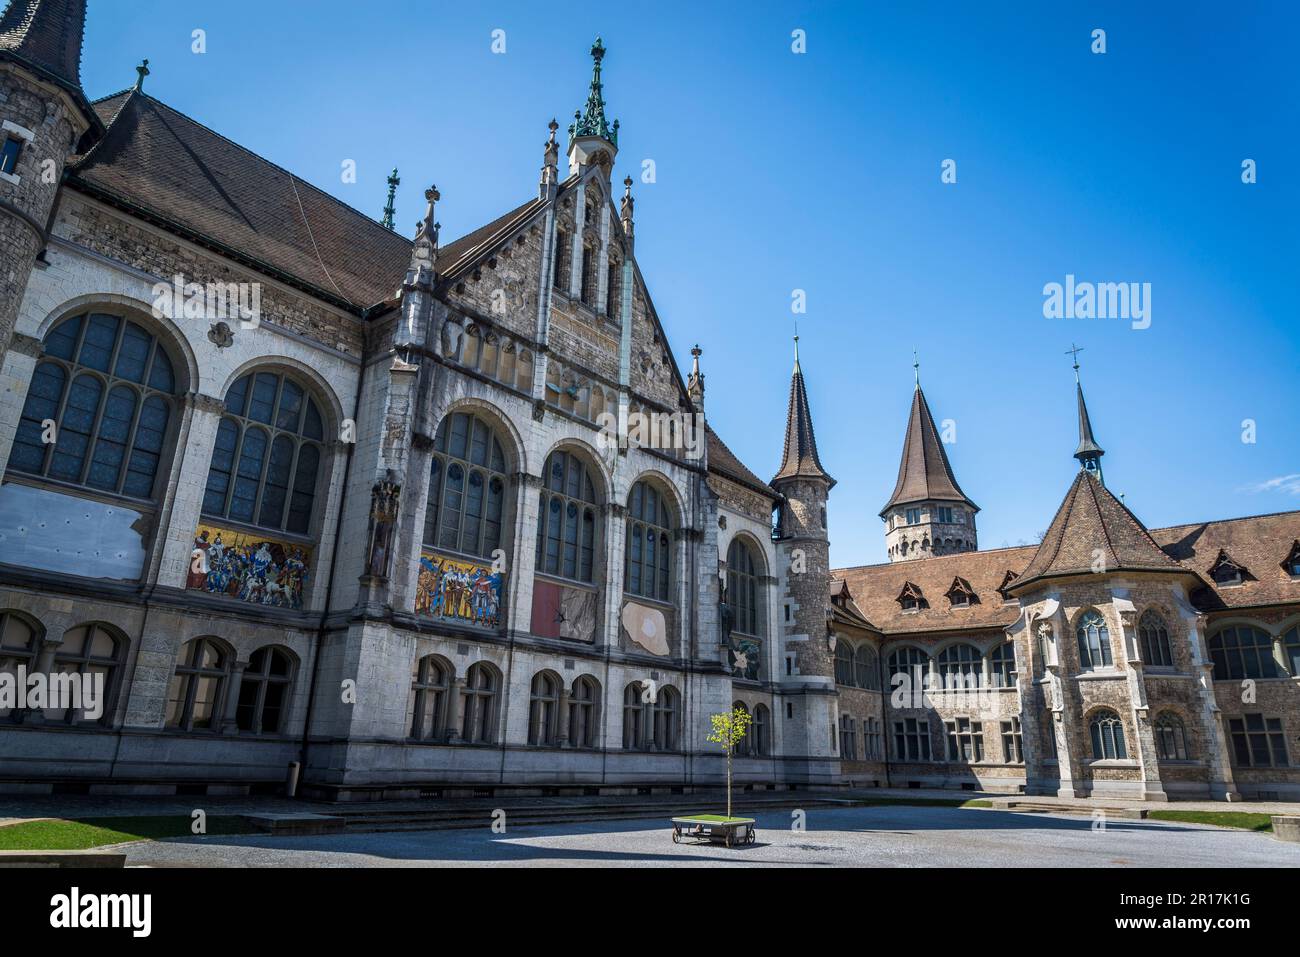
834	837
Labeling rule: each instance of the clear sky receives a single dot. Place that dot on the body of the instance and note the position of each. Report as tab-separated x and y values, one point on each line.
821	171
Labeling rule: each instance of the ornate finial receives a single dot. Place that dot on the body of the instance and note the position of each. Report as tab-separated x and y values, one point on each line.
591	121
428	226
393	182
916	368
142	71
796	343
1074	351
695	382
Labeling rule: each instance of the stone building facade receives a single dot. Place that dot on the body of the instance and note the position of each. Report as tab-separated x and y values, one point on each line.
429	518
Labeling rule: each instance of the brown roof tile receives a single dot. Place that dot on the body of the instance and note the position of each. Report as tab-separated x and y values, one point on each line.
168	166
800	458
924	473
723	461
1259	542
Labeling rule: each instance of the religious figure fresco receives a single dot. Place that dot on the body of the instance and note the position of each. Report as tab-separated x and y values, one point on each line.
465	591
745	655
248	567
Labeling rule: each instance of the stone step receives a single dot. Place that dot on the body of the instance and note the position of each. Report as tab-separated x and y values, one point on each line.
1048	807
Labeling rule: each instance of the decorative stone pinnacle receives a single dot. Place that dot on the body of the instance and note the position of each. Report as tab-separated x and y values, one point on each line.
389	212
592	121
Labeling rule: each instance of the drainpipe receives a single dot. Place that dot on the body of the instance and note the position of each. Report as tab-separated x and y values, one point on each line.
329	589
884	719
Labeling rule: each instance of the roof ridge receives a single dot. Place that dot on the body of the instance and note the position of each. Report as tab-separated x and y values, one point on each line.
1224	521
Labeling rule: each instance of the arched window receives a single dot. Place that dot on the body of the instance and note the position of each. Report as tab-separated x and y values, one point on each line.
612	298
649	549
1171	738
566	520
588	288
544	710
864	668
912	662
267	456
108	387
264	691
1242	651
742	588
467	487
1155	640
667	708
633	718
480	700
1291	645
88	650
843	663
651	724
1002	665
17	649
762	730
1094	642
1107	736
961	667
431	682
584	726
196	696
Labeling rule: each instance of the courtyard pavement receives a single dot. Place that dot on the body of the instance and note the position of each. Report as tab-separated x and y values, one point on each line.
893	836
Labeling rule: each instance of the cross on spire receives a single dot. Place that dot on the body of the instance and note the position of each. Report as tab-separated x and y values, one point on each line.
1074	351
143	71
916	368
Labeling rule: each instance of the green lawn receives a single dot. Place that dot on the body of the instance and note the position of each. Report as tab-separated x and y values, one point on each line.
83	833
1243	819
714	818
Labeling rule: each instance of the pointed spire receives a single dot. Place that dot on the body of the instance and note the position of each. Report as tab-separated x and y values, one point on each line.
389	211
695	382
1088	453
924	474
141	72
591	121
800	459
45	35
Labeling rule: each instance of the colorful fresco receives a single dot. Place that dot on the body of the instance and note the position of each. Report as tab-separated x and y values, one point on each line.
464	591
249	567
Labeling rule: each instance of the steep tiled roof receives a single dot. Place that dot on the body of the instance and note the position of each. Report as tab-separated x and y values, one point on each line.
844	610
170	169
800	459
723	462
1093	526
877	587
1261	542
46	35
924	473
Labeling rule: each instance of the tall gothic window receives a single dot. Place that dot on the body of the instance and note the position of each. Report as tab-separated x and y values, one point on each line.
566	520
864	667
844	663
588	288
612	291
267	457
108	387
1242	651
742	588
1155	640
1107	736
649	544
467	487
762	731
1094	642
563	242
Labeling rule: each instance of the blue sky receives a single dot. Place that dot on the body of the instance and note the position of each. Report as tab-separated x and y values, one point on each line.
821	171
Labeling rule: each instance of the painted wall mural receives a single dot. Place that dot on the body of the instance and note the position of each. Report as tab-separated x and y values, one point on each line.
646	626
249	567
745	656
561	611
461	590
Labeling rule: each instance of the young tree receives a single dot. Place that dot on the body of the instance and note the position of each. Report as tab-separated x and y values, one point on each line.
729	729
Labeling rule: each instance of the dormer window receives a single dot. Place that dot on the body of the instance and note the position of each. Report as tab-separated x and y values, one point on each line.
911	599
9	153
961	595
1292	562
1007	579
1226	571
913	516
